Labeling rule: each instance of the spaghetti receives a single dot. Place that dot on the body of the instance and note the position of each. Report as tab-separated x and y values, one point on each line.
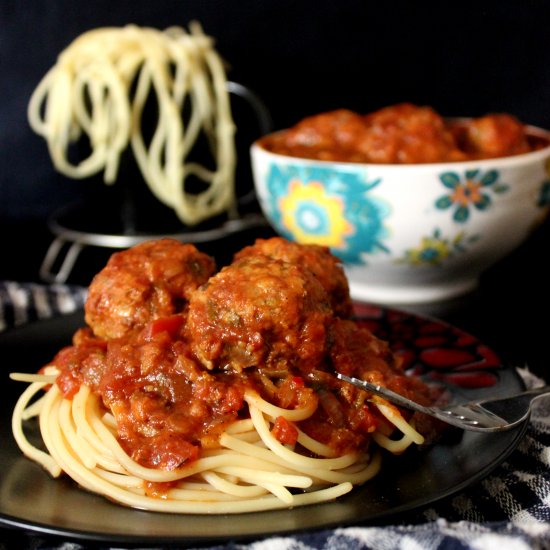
98	89
251	471
140	419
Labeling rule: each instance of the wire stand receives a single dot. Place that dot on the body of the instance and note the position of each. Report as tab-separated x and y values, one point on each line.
70	241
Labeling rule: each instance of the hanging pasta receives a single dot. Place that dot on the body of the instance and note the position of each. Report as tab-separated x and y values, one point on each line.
98	90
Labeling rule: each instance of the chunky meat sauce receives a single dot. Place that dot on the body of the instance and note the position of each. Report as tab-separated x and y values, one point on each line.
402	134
172	360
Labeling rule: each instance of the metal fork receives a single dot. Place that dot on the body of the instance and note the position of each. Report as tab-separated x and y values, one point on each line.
484	415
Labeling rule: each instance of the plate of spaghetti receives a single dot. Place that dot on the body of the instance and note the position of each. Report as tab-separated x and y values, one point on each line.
190	403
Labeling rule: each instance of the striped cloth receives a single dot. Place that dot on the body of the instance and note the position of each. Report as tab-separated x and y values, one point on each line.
509	509
22	303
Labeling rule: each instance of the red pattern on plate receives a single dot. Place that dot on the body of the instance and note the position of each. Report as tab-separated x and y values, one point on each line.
432	349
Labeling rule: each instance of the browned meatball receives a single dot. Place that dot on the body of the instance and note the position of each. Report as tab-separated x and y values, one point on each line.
496	135
328	136
151	280
261	312
318	259
406	133
327	129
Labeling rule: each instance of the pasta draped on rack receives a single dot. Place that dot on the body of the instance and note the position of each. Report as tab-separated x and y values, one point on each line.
98	89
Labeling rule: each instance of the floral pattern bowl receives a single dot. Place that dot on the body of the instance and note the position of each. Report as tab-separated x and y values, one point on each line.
407	233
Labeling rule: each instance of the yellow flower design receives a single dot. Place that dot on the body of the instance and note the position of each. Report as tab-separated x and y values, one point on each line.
432	250
435	249
334	208
312	216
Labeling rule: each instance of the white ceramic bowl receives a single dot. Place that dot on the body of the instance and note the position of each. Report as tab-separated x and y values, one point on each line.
412	233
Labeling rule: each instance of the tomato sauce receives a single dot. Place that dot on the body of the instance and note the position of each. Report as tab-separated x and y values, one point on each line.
176	382
402	134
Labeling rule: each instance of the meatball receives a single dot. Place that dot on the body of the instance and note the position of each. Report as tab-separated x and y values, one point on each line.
262	312
328	136
355	351
496	135
406	133
333	135
318	259
151	280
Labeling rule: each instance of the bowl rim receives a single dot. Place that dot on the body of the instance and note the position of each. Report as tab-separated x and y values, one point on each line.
519	159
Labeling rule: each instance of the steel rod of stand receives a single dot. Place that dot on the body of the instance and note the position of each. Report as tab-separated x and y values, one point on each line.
52	255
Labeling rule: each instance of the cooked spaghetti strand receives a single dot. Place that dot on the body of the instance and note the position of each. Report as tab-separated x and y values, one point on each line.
98	90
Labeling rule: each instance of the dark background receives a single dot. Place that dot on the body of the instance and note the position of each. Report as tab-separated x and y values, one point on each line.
301	58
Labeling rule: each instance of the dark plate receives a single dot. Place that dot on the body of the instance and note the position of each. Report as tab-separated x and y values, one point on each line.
31	500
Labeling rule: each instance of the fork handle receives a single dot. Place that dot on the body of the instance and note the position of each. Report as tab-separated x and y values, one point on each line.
515	407
531	394
536	392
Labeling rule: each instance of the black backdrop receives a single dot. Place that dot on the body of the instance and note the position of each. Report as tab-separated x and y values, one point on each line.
304	57
300	56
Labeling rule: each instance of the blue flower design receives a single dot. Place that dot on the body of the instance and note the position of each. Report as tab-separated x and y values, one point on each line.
323	206
470	190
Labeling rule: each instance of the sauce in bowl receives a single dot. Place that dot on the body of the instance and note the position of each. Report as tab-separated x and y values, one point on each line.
402	134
